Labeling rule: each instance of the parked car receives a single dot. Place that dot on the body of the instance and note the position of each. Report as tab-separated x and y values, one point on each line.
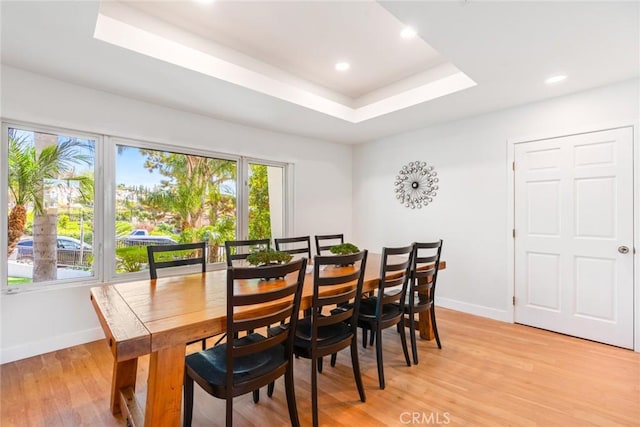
71	252
139	232
145	241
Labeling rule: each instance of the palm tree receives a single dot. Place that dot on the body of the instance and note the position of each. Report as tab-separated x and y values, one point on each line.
28	172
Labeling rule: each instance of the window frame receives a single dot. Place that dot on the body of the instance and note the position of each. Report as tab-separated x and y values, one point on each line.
98	204
243	233
110	167
104	201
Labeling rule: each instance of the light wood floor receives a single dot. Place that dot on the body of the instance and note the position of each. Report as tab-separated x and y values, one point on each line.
488	373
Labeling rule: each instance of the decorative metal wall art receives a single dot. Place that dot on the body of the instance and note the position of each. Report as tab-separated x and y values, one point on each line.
416	185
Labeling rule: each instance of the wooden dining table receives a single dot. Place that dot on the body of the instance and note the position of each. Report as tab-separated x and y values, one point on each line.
158	317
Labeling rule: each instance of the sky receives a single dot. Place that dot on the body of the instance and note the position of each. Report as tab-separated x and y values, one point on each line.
29	138
130	170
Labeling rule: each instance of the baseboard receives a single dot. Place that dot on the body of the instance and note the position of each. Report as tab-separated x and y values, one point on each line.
58	342
478	310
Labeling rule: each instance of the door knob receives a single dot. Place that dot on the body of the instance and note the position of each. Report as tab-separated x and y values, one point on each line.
623	249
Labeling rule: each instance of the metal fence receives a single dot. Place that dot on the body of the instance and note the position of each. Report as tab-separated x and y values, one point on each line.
215	252
75	258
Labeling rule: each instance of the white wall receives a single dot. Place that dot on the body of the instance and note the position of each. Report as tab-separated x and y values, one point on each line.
42	321
470	210
469	213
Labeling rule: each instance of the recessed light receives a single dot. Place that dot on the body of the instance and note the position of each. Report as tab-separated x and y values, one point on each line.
408	33
342	66
555	79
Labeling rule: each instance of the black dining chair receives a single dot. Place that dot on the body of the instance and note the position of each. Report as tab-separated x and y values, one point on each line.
386	308
236	250
245	364
318	335
422	289
175	256
326	241
294	245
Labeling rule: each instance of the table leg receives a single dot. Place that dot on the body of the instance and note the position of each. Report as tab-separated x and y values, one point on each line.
124	375
164	388
424	321
425	327
423	324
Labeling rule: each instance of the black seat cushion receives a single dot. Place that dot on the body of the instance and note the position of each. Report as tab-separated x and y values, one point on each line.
368	310
210	365
327	335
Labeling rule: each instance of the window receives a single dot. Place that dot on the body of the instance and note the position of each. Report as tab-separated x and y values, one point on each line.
50	207
266	201
63	226
165	198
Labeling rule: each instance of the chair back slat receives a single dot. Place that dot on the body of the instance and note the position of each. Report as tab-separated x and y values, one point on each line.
322	245
236	250
199	249
305	251
177	262
294	245
397	267
336	298
264	296
426	259
398	281
429	245
249	349
341	316
428	266
339	278
259	322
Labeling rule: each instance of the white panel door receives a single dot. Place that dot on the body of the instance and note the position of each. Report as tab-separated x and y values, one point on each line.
574	219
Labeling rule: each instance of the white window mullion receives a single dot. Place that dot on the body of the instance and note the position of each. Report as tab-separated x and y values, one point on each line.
4	199
289	199
108	229
242	199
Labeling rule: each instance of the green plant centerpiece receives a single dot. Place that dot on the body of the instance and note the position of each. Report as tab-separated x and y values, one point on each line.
344	249
268	257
